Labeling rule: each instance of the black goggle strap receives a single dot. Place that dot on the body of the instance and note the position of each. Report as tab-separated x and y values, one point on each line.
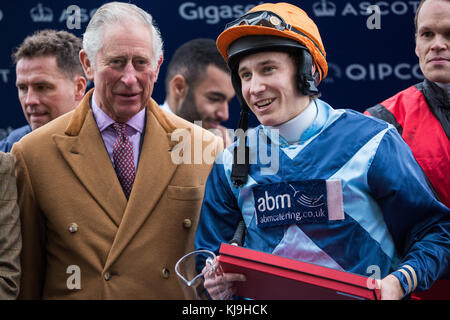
268	19
241	152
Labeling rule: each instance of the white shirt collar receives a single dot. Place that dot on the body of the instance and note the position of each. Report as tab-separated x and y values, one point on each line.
293	129
166	107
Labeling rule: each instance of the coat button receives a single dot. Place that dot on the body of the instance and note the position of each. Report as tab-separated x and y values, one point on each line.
187	223
165	273
107	275
73	227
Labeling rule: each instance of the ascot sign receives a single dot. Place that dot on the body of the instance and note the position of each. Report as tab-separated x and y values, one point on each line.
213	14
325	8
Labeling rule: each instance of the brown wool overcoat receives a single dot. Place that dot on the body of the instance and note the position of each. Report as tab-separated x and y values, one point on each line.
76	220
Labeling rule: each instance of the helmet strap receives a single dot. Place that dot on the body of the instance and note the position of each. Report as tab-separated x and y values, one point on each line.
241	153
306	81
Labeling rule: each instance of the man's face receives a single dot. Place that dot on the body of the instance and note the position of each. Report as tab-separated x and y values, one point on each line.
208	100
269	87
433	40
123	75
45	92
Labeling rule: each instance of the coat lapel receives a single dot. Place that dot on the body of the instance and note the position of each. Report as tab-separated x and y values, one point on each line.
154	173
83	149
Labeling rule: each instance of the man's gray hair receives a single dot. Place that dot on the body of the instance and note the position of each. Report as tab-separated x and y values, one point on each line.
113	13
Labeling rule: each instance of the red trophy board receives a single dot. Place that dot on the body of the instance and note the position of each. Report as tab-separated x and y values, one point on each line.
271	277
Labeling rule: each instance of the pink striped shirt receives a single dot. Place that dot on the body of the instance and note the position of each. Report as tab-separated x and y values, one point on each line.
135	127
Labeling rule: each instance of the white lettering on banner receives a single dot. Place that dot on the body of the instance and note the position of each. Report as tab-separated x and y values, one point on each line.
373	72
212	14
326	8
417	72
4	75
381	71
349	9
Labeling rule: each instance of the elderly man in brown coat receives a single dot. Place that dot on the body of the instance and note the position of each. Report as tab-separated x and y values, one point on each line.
109	194
10	240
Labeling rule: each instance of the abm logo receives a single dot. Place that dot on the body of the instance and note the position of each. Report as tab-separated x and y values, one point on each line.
271	203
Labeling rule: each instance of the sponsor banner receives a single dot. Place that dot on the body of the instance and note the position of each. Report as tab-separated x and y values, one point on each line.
369	44
376	71
325	8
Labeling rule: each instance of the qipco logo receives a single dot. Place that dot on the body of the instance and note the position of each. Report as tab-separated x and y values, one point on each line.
381	71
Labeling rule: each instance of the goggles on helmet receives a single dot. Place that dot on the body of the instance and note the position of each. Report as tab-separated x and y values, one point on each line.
267	19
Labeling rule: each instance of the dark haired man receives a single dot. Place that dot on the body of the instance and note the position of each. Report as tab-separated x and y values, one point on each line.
50	79
198	85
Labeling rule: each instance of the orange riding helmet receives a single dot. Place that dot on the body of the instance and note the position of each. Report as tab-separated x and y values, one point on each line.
272	27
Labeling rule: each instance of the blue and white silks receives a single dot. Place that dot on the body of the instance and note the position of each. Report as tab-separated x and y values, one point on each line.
391	216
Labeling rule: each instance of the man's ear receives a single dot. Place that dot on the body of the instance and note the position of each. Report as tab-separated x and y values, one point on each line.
178	89
178	86
87	65
80	84
415	49
157	67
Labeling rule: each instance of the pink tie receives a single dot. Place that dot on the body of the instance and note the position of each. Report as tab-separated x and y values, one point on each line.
123	159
